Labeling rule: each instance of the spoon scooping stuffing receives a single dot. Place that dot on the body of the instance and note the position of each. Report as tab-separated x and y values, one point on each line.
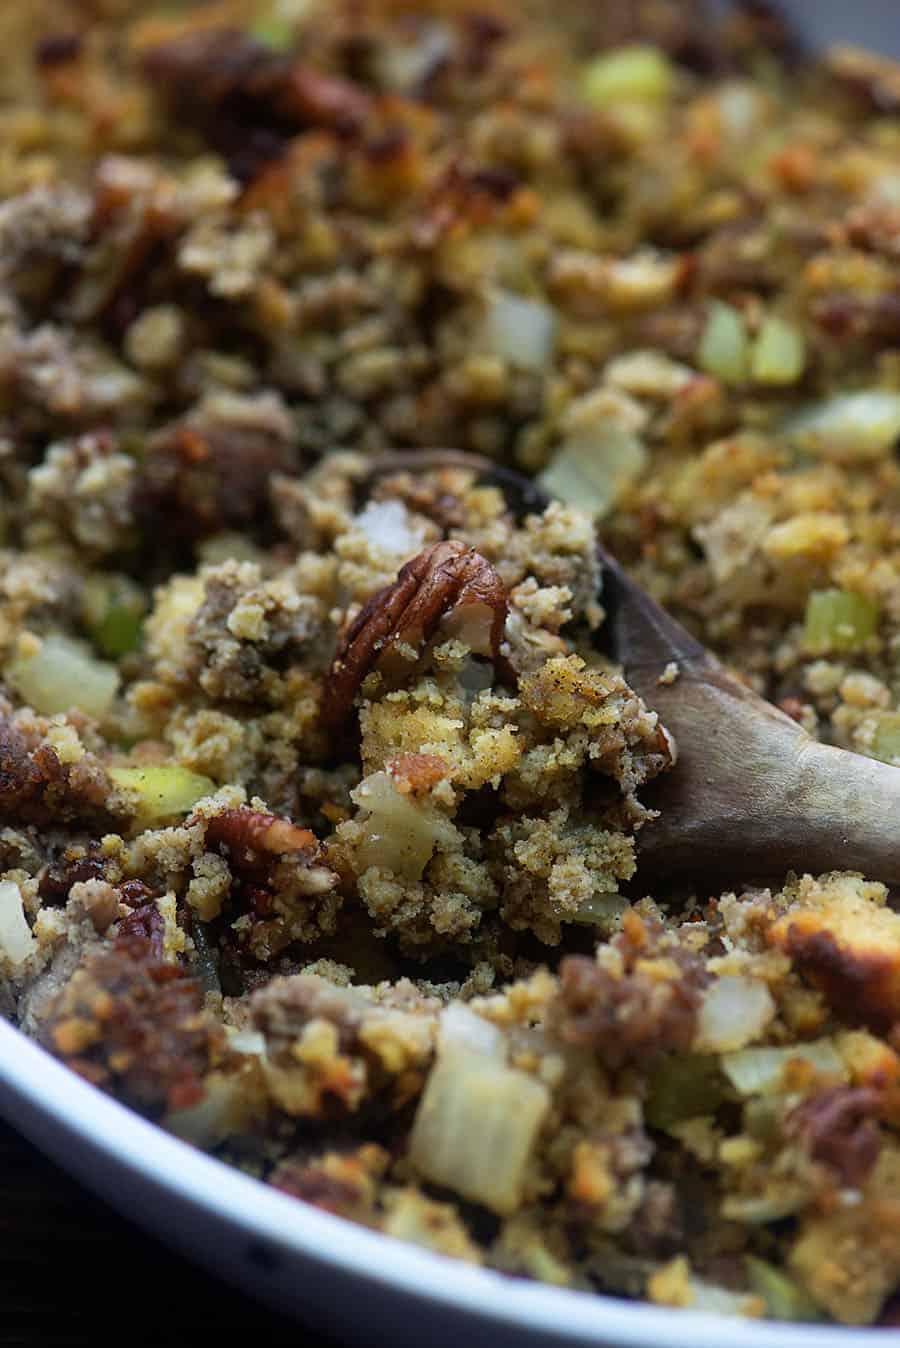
751	791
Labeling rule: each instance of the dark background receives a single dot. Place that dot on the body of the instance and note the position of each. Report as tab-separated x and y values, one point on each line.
73	1273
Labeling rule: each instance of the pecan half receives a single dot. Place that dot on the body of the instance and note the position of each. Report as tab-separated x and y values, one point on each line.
447	580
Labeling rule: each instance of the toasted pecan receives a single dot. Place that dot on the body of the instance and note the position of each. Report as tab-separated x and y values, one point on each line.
248	834
446	578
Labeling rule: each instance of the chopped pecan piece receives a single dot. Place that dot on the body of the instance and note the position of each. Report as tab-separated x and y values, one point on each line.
256	842
249	100
448	578
279	878
246	833
57	879
145	922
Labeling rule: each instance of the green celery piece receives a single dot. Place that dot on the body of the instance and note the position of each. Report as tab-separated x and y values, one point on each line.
838	620
886	740
785	1298
779	352
274	32
724	350
161	791
640	74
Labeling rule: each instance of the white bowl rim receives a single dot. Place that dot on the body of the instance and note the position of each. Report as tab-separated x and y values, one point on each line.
31	1076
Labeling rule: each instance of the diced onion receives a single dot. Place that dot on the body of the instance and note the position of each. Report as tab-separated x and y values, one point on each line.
520	331
161	791
734	1012
386	526
226	1108
592	470
740	109
402	66
61	675
648	374
247	1041
639	73
476	1128
838	620
706	1296
400	836
760	1209
462	1028
724	350
849	427
761	1071
16	940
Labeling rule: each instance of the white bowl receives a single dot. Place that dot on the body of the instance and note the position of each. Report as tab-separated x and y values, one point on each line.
323	1269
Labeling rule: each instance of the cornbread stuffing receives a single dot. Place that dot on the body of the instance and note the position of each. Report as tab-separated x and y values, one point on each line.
320	789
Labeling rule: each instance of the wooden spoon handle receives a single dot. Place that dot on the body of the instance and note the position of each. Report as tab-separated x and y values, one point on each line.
751	795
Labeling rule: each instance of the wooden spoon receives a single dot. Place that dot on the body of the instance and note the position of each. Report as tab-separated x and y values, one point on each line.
751	794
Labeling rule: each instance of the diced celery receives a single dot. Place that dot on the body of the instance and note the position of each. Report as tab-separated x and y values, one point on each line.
785	1299
779	352
762	1071
838	620
161	791
274	32
724	349
63	674
683	1088
886	739
113	609
640	74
